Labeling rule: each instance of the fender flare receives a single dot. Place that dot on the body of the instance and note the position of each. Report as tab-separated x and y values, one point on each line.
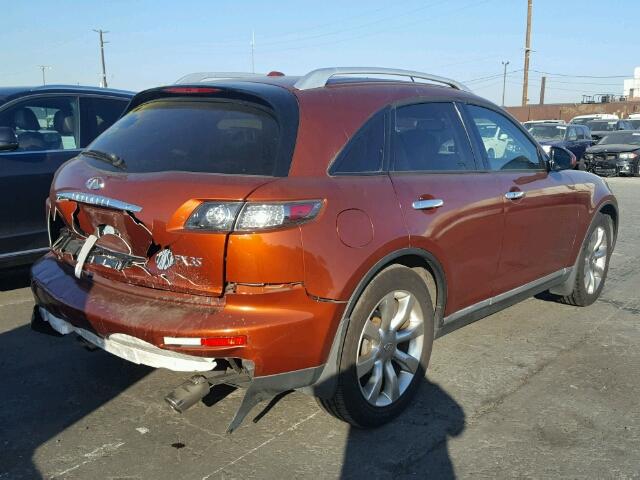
325	384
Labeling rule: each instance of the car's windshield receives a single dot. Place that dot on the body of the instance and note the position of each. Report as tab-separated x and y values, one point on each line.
602	126
621	138
547	132
193	136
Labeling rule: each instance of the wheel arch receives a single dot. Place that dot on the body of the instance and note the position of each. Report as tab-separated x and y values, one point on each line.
427	266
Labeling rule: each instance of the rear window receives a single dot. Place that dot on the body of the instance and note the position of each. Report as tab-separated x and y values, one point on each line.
193	136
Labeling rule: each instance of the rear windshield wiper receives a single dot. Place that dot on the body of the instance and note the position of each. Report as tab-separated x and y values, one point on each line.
111	158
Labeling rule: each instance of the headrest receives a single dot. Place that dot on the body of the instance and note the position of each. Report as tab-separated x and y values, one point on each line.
63	122
25	119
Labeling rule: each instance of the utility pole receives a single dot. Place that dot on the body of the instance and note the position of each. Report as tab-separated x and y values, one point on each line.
504	80
527	51
253	44
101	32
542	87
43	68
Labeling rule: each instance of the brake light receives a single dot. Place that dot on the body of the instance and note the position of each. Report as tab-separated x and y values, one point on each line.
250	216
191	90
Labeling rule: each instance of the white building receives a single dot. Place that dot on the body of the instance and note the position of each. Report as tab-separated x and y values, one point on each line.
632	85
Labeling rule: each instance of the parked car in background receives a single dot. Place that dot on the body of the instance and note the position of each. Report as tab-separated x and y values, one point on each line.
635	123
529	123
40	129
600	128
584	119
312	233
618	153
575	138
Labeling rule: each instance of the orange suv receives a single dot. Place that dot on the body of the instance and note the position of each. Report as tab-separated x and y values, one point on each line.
312	233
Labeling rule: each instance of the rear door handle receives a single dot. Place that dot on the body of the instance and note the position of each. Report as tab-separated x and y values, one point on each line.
514	195
427	204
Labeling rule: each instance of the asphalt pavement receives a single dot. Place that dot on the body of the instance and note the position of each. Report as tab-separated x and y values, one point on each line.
540	390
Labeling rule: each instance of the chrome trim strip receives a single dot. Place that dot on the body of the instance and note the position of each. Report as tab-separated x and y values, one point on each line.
506	295
24	252
427	204
98	200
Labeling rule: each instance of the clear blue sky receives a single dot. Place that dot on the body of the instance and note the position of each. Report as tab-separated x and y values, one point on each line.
156	42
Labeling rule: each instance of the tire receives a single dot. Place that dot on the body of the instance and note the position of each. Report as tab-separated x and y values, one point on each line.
373	351
594	254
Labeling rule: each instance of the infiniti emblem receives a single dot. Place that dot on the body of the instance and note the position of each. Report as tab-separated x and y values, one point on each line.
165	259
95	183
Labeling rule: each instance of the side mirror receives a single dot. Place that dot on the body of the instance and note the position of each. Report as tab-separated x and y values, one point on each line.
8	139
561	159
503	137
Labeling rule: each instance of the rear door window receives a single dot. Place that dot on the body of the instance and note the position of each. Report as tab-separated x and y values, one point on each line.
223	137
430	137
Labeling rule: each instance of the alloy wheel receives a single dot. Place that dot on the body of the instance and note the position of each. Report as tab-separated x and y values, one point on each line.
595	260
390	348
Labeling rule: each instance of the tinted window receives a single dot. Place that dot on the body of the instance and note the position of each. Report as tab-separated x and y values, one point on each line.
193	136
98	114
430	137
44	123
540	132
580	133
510	149
364	152
572	135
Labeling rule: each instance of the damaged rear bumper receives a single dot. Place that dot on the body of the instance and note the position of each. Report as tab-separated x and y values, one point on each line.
133	349
285	330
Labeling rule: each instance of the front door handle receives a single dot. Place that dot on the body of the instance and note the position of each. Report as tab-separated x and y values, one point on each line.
514	195
427	204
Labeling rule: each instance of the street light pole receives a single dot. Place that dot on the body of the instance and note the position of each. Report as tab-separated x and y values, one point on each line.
504	80
43	68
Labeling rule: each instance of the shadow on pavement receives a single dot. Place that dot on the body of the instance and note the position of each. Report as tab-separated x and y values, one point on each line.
48	384
414	445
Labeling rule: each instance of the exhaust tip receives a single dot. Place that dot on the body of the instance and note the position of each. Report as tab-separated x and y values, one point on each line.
187	394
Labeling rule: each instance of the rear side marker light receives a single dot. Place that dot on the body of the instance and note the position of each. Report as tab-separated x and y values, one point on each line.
191	90
250	216
235	341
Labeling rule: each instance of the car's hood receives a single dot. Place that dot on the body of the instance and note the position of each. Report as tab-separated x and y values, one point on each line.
613	148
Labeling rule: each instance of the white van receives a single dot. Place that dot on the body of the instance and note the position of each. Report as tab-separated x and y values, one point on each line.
583	119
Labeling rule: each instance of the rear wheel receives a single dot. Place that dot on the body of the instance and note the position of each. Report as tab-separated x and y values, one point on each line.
593	264
386	349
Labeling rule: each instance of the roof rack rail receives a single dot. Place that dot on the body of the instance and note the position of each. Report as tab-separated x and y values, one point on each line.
320	77
198	77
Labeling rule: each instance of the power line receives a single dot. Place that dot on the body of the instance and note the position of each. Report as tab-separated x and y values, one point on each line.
579	76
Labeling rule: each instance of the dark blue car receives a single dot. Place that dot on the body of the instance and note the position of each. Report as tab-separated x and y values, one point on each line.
40	129
575	138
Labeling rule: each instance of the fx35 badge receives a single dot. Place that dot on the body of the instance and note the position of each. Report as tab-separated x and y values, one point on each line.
165	259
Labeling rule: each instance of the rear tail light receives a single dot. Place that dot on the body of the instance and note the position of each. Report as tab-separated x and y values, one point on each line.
251	217
235	341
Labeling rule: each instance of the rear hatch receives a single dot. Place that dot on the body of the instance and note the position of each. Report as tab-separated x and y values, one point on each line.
127	199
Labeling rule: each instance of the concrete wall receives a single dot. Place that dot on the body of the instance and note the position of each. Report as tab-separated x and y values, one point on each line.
566	111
